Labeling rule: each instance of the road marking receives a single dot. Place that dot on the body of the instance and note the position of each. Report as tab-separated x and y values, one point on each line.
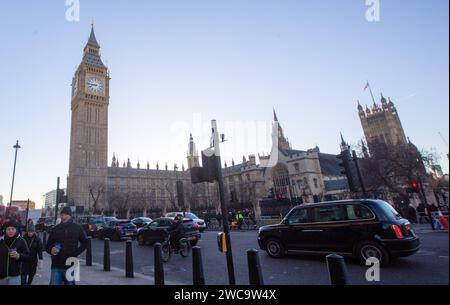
443	256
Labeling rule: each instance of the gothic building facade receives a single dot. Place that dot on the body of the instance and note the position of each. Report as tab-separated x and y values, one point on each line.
95	185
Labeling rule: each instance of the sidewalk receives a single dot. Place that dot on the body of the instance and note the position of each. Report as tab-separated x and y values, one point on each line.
426	228
96	276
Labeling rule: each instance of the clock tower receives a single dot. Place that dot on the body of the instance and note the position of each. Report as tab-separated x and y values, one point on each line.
86	183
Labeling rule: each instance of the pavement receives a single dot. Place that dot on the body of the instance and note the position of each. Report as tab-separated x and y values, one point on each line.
94	275
427	267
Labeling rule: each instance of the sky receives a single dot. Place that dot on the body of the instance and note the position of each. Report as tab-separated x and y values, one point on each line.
175	65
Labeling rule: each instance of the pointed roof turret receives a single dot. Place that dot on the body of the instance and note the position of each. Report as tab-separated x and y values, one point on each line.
92	39
275	118
92	51
342	140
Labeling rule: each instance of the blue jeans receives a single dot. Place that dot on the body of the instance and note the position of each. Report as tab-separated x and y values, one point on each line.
58	277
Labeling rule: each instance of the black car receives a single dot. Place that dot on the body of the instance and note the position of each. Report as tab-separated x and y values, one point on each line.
140	222
91	224
359	228
157	231
117	230
45	224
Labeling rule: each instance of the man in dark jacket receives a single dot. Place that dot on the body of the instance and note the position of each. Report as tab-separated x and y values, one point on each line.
13	252
66	240
35	246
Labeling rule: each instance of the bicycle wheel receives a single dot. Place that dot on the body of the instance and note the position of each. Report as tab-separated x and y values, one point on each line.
185	248
213	224
166	250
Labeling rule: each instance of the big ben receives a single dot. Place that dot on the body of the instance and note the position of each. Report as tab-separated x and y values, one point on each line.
86	183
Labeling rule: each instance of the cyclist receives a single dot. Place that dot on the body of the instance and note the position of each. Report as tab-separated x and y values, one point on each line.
176	231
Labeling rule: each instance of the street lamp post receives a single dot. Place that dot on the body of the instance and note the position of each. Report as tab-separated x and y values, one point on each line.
16	147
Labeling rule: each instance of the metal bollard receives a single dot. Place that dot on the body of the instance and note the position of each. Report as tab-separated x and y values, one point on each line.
129	269
44	237
337	270
89	252
197	266
254	268
159	268
106	256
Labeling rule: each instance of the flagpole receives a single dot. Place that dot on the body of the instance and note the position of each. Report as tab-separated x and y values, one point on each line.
370	89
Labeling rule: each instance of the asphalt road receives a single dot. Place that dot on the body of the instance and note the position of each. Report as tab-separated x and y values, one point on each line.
429	266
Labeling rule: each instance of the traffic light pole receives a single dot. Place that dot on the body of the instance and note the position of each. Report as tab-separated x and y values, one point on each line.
425	201
226	228
361	181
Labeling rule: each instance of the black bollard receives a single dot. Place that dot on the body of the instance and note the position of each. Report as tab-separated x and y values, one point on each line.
197	266
44	237
337	270
159	269
106	256
89	252
254	268
129	270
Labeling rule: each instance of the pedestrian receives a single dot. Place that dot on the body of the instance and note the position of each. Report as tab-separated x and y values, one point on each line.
66	240
13	252
412	214
239	219
35	247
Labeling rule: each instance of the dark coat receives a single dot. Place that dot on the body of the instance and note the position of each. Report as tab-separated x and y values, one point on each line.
72	239
36	247
10	267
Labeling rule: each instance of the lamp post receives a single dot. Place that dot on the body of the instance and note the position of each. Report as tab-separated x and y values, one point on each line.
16	147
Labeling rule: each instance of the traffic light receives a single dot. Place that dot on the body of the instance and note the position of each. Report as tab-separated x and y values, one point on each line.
345	166
413	187
61	197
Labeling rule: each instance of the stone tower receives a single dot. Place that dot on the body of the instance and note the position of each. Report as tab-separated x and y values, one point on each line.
382	123
192	157
89	130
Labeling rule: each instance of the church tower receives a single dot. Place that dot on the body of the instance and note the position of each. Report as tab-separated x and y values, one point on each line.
382	124
88	162
192	157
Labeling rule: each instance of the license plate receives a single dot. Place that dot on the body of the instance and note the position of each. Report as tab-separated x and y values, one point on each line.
129	234
191	238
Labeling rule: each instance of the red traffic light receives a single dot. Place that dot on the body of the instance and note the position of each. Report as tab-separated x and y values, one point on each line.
414	185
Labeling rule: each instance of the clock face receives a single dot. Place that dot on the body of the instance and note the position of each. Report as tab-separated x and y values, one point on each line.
94	85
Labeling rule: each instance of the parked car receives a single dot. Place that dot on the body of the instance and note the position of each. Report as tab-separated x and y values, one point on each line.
157	231
201	223
358	228
45	224
91	224
140	222
117	230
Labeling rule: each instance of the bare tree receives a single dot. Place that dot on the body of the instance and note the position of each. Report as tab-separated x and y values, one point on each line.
119	201
96	190
390	168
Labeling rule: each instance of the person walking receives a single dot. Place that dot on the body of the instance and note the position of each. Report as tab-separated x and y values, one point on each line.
35	247
66	240
13	252
239	219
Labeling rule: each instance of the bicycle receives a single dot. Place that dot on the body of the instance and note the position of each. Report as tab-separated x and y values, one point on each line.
168	248
248	224
212	224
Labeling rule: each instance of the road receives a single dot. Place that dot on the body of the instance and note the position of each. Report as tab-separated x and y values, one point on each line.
429	266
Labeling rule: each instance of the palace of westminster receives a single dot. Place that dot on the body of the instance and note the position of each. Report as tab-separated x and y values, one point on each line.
94	183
